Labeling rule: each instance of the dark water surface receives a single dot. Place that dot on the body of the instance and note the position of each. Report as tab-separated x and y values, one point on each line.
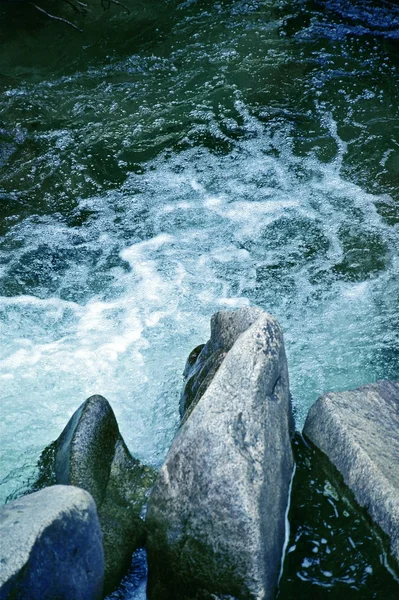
185	158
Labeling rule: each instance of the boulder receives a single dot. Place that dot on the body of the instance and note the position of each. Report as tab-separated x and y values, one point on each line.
204	361
91	454
359	432
51	547
216	516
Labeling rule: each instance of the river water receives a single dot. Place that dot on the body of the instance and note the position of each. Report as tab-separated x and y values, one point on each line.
189	157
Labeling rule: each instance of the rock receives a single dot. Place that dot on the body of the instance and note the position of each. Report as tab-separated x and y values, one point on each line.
216	516
359	432
91	454
51	547
204	361
199	381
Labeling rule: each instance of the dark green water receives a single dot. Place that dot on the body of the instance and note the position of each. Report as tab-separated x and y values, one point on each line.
181	159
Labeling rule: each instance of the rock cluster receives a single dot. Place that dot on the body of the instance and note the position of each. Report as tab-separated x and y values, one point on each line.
91	454
216	520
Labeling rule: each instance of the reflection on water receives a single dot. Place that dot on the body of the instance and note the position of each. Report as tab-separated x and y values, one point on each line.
186	158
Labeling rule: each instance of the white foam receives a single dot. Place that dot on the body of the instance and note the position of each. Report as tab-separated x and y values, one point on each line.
205	239
214	201
357	291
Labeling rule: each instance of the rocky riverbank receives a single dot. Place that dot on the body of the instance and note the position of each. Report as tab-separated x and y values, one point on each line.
216	519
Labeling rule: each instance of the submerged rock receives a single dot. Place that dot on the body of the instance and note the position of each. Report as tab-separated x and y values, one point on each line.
216	515
51	547
91	454
359	432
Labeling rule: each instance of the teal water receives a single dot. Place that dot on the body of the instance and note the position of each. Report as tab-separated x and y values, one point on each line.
185	158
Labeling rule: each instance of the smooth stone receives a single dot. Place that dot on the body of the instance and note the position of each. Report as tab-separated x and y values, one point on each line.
51	547
91	454
359	432
216	515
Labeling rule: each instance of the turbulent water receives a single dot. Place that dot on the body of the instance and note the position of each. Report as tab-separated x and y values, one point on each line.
185	158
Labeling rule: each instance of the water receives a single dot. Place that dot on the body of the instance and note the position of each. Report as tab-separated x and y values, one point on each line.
182	159
333	549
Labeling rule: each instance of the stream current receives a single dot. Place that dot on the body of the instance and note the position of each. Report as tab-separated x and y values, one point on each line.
186	158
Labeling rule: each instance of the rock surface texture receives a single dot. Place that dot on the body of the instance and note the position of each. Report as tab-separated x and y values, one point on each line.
359	432
91	454
204	361
216	516
51	547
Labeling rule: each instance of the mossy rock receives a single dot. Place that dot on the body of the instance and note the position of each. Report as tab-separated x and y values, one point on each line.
91	454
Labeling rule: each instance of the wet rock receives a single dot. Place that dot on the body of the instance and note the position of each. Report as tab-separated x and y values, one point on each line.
216	516
51	547
359	432
204	361
91	454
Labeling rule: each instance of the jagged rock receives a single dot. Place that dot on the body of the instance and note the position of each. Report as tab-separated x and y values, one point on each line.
359	432
204	361
91	454
216	515
51	547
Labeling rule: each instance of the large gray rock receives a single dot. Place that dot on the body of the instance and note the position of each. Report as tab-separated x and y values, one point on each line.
91	454
51	547
204	361
359	432
216	515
